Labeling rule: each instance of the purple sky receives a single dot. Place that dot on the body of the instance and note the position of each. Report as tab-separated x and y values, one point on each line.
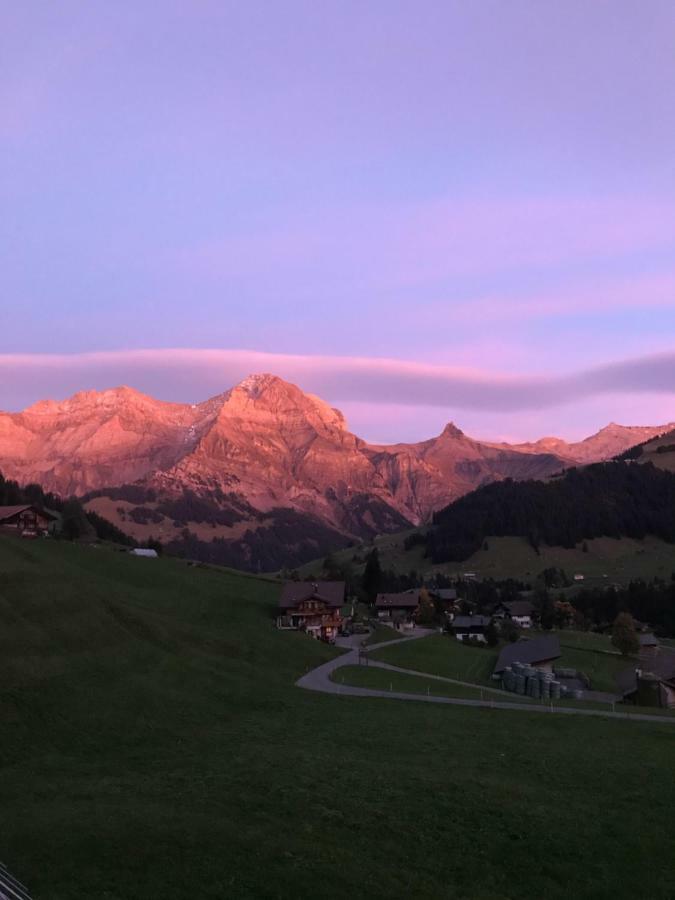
422	211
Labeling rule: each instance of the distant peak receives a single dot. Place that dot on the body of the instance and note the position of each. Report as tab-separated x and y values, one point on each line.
255	384
452	431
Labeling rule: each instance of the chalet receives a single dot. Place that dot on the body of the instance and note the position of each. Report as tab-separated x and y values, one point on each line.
314	607
397	606
520	612
466	628
447	597
651	684
25	519
540	652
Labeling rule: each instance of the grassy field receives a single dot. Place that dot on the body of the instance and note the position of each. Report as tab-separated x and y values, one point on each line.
442	655
154	745
384	680
621	560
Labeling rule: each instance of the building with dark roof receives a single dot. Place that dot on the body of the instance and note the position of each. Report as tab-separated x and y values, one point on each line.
466	628
519	612
540	652
402	605
314	607
651	682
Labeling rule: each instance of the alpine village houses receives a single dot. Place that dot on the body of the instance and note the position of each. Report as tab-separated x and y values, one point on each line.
313	607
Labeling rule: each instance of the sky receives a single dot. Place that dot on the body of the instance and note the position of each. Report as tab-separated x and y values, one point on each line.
422	211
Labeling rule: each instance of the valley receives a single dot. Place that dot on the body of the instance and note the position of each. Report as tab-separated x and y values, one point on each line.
158	741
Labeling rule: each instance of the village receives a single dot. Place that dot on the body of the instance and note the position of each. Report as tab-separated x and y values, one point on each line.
540	664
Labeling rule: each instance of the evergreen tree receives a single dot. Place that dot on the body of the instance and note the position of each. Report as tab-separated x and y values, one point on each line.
74	523
371	581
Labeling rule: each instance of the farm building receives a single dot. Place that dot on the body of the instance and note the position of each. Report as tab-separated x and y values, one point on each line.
26	520
651	684
314	607
540	652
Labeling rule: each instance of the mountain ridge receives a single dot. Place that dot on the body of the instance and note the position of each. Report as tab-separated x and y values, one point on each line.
259	448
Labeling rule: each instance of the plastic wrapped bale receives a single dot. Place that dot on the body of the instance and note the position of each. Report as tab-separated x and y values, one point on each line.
555	690
564	690
545	690
535	690
578	694
507	679
520	684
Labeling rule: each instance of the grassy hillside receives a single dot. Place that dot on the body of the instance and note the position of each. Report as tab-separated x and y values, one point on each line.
620	559
154	745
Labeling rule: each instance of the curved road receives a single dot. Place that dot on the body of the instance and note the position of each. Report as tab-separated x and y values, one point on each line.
319	679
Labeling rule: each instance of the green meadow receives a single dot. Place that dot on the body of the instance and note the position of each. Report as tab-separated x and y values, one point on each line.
155	746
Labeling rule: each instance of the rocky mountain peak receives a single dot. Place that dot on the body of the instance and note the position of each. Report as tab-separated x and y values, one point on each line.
452	431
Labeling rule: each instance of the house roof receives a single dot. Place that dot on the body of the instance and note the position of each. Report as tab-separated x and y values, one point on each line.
530	651
294	592
8	512
407	599
662	667
470	622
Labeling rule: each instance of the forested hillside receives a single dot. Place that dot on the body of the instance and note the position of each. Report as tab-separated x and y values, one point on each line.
616	499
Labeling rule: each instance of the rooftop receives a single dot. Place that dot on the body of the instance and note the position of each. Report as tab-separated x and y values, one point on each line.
294	592
407	599
531	651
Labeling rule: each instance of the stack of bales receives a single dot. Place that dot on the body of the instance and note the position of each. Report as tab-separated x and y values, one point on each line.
529	681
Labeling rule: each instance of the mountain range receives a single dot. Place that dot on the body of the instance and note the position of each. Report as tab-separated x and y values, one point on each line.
263	461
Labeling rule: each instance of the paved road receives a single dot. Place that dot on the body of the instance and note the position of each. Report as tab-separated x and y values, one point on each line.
319	680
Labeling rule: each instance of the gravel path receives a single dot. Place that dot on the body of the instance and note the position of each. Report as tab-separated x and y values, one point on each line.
319	679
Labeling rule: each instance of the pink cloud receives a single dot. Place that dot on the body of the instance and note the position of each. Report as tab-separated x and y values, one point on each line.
189	374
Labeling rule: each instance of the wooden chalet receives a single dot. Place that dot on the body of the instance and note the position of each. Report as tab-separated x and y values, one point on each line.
470	628
520	612
25	519
401	606
314	607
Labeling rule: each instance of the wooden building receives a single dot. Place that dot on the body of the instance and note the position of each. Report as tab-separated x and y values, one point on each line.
314	607
25	519
397	607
